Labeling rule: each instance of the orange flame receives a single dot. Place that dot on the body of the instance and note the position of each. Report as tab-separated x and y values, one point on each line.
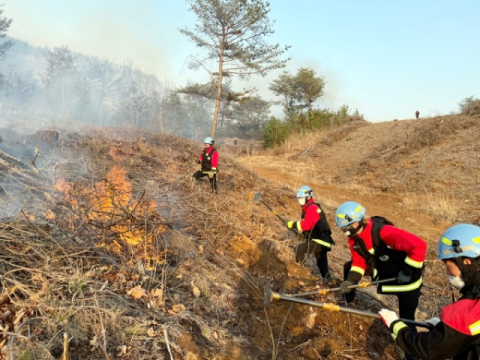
112	203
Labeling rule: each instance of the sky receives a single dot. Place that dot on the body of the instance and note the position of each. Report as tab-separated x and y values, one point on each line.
385	58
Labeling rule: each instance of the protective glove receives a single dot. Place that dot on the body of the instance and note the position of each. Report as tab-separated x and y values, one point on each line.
210	174
214	170
344	287
433	321
290	224
388	316
198	161
404	277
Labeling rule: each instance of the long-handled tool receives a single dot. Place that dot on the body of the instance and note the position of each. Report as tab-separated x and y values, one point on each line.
256	200
270	296
326	291
187	172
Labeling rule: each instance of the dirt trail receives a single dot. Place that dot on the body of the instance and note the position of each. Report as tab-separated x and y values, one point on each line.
388	205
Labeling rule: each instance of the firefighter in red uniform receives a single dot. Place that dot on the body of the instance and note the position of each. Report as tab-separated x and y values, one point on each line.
382	251
457	333
316	230
209	161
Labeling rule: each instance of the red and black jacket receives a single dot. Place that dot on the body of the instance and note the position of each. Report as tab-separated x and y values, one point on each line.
314	225
394	250
457	336
209	159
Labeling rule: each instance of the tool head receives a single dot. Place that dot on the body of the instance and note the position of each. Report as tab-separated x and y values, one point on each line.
257	196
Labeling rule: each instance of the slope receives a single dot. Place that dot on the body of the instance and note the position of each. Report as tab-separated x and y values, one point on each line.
115	247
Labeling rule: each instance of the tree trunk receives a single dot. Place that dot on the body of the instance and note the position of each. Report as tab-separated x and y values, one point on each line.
287	113
63	94
219	88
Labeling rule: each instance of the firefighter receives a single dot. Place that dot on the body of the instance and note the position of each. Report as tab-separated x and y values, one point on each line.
209	162
316	230
457	333
382	251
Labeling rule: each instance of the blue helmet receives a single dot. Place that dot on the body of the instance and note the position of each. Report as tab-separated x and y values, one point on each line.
348	213
304	191
458	241
208	140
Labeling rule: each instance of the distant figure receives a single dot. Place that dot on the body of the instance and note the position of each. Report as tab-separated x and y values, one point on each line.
209	162
235	141
417	114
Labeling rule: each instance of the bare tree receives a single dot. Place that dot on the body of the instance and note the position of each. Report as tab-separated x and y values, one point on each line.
4	26
233	34
105	82
60	77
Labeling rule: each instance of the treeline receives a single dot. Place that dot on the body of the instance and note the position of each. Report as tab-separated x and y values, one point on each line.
66	85
299	92
276	131
61	85
58	85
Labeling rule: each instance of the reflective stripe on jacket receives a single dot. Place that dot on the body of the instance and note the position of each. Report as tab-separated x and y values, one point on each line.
314	225
396	251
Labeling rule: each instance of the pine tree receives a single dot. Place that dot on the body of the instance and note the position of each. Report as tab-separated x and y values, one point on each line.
233	34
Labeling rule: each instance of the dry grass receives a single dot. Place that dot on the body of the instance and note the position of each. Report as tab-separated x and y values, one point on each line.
121	252
430	160
439	205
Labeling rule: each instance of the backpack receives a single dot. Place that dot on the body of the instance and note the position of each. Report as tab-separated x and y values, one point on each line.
323	225
378	223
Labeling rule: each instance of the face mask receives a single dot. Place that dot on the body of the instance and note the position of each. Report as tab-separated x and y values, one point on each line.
456	282
302	201
350	230
347	230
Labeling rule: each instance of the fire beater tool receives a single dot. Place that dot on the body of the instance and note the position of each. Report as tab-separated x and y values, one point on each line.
326	291
270	296
256	200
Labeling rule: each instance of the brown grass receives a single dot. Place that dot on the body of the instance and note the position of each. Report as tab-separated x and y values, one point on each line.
427	161
69	264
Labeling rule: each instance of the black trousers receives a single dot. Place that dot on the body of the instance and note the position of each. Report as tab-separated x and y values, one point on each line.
213	180
320	252
407	301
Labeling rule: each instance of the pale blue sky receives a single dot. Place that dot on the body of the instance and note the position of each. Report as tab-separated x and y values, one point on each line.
387	58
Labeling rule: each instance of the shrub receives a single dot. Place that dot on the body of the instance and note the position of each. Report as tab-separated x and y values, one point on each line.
470	106
275	133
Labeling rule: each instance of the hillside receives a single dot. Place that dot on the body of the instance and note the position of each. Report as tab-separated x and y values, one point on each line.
104	238
430	166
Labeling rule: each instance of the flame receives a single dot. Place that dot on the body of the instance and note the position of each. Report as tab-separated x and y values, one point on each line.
112	195
112	204
66	190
